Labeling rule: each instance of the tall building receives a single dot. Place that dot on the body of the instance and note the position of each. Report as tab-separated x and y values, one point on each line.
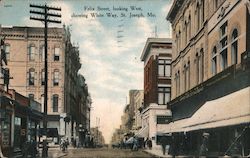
210	68
138	101
24	48
157	56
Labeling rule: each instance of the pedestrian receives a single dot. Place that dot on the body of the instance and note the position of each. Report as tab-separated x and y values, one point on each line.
149	144
204	145
135	144
145	143
163	144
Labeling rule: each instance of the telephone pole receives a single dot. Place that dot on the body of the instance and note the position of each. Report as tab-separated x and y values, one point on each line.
44	16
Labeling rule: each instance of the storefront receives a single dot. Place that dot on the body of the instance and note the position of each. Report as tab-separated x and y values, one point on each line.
219	127
6	112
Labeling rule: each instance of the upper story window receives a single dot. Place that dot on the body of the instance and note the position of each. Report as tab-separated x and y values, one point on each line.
42	77
57	54
177	83
55	98
223	46
31	78
56	77
42	53
234	47
32	49
186	74
163	95
214	61
7	51
164	68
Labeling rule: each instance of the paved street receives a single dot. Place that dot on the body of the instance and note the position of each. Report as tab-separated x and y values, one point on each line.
106	152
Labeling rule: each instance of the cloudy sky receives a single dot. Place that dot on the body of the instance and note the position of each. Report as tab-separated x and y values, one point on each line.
110	47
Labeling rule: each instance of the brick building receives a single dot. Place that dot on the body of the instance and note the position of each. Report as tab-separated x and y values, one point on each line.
156	55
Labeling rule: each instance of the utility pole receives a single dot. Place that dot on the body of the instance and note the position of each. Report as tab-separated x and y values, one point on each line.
45	17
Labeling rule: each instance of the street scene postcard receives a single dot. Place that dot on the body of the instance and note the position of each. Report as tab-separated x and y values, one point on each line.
124	78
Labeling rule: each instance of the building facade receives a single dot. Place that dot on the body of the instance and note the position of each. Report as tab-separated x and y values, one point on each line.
24	47
210	69
157	56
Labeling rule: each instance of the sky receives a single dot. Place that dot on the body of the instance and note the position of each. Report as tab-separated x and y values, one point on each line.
111	35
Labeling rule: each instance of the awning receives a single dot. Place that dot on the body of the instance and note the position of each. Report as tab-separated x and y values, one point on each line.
232	109
143	132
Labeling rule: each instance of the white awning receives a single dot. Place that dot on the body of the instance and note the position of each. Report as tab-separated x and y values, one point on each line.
143	132
232	109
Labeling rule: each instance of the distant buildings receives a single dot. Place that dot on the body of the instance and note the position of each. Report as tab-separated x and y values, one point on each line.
210	69
67	92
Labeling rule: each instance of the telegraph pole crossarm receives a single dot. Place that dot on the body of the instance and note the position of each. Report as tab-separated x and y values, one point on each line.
45	14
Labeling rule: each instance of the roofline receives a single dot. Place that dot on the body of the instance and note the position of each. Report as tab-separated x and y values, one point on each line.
151	41
174	8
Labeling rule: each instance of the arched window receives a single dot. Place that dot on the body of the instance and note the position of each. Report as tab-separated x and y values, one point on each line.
55	98
31	77
201	64
234	47
214	61
56	77
31	52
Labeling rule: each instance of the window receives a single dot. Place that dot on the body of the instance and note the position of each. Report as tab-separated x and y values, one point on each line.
42	53
56	77
31	77
31	96
55	103
161	119
223	46
177	82
189	27
164	67
32	53
7	51
57	54
42	77
197	68
186	76
201	64
223	59
234	47
214	61
163	95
